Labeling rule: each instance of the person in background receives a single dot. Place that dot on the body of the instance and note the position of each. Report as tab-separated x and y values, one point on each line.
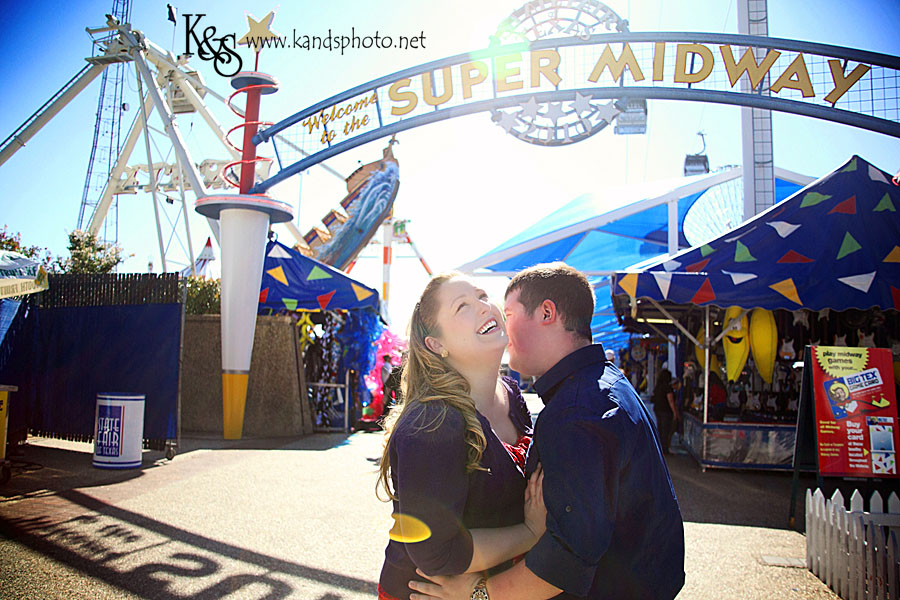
667	414
611	356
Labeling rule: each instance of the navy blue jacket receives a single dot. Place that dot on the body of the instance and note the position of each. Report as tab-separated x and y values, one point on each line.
614	529
429	478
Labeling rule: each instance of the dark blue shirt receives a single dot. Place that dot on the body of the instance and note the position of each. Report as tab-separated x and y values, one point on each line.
614	529
428	475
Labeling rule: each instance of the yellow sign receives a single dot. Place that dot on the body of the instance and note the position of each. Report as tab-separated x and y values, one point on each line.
516	71
10	287
838	360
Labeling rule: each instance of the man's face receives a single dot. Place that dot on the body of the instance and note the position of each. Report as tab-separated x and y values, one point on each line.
524	337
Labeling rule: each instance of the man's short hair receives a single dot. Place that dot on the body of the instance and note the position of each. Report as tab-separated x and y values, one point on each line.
567	287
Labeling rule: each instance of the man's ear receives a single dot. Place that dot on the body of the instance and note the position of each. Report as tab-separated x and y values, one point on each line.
547	312
433	344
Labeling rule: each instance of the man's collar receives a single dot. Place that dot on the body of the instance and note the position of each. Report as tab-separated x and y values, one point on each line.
583	357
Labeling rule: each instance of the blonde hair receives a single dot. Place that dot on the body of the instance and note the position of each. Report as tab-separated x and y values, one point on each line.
429	378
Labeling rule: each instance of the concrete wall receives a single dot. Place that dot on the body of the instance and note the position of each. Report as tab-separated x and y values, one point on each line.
277	402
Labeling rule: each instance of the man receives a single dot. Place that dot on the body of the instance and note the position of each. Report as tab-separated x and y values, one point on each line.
614	529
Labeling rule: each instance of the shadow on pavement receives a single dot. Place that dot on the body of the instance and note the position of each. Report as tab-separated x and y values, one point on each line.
128	550
735	497
43	465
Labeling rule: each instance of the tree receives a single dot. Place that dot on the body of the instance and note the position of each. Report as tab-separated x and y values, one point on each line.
13	242
203	296
89	255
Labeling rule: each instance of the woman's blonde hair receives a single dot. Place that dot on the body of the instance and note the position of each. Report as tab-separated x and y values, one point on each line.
429	378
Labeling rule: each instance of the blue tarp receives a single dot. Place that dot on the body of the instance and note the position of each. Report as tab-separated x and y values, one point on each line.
619	228
834	244
292	281
61	358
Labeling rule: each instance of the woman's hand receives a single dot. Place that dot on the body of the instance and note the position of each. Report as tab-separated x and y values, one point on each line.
535	511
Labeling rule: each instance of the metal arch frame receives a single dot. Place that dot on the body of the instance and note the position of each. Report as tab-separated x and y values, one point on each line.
644	92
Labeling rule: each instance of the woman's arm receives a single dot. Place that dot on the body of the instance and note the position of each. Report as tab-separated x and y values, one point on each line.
498	544
670	397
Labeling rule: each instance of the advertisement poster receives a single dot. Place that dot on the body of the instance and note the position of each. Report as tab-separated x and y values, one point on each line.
857	431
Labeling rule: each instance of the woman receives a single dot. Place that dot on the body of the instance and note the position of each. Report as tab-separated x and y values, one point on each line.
664	405
454	455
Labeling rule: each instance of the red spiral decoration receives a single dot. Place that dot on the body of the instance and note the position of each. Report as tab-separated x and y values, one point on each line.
225	170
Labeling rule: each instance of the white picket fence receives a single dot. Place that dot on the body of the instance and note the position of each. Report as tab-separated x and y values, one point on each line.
854	552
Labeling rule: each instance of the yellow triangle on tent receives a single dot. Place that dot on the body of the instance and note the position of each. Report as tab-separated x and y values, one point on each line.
361	292
278	274
787	289
629	283
894	256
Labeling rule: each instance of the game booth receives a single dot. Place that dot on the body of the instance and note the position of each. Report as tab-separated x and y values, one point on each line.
821	269
339	327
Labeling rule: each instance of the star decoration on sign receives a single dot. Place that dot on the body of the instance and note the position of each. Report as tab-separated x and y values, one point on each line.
608	111
556	123
582	104
259	31
529	109
555	112
507	121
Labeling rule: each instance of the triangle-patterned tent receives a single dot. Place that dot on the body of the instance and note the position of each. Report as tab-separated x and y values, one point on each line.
292	281
834	244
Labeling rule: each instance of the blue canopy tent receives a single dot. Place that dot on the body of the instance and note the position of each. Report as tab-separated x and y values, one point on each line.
293	282
620	227
832	246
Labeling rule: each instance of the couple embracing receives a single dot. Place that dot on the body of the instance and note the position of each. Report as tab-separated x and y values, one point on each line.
487	509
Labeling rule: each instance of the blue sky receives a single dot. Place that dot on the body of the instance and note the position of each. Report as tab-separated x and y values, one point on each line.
465	185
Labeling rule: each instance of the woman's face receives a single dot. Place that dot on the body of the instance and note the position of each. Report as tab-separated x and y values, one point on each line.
470	326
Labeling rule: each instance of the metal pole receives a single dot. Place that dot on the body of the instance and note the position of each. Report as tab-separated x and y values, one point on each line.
347	401
50	112
152	172
170	126
106	199
706	368
187	221
705	380
388	237
197	102
672	247
419	255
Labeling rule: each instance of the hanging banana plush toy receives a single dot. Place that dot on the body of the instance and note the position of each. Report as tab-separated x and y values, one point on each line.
699	354
736	342
763	342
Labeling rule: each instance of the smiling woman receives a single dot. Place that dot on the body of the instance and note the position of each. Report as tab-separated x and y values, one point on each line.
453	461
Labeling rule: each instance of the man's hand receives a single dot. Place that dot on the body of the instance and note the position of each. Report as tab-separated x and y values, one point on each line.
453	587
535	511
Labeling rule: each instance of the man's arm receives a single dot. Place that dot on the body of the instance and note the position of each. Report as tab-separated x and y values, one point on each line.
517	583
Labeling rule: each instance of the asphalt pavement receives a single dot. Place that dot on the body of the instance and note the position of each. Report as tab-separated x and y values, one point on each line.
298	518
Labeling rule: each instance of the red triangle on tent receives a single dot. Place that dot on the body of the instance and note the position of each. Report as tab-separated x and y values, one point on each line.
847	207
704	294
263	295
895	294
324	299
697	266
795	257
